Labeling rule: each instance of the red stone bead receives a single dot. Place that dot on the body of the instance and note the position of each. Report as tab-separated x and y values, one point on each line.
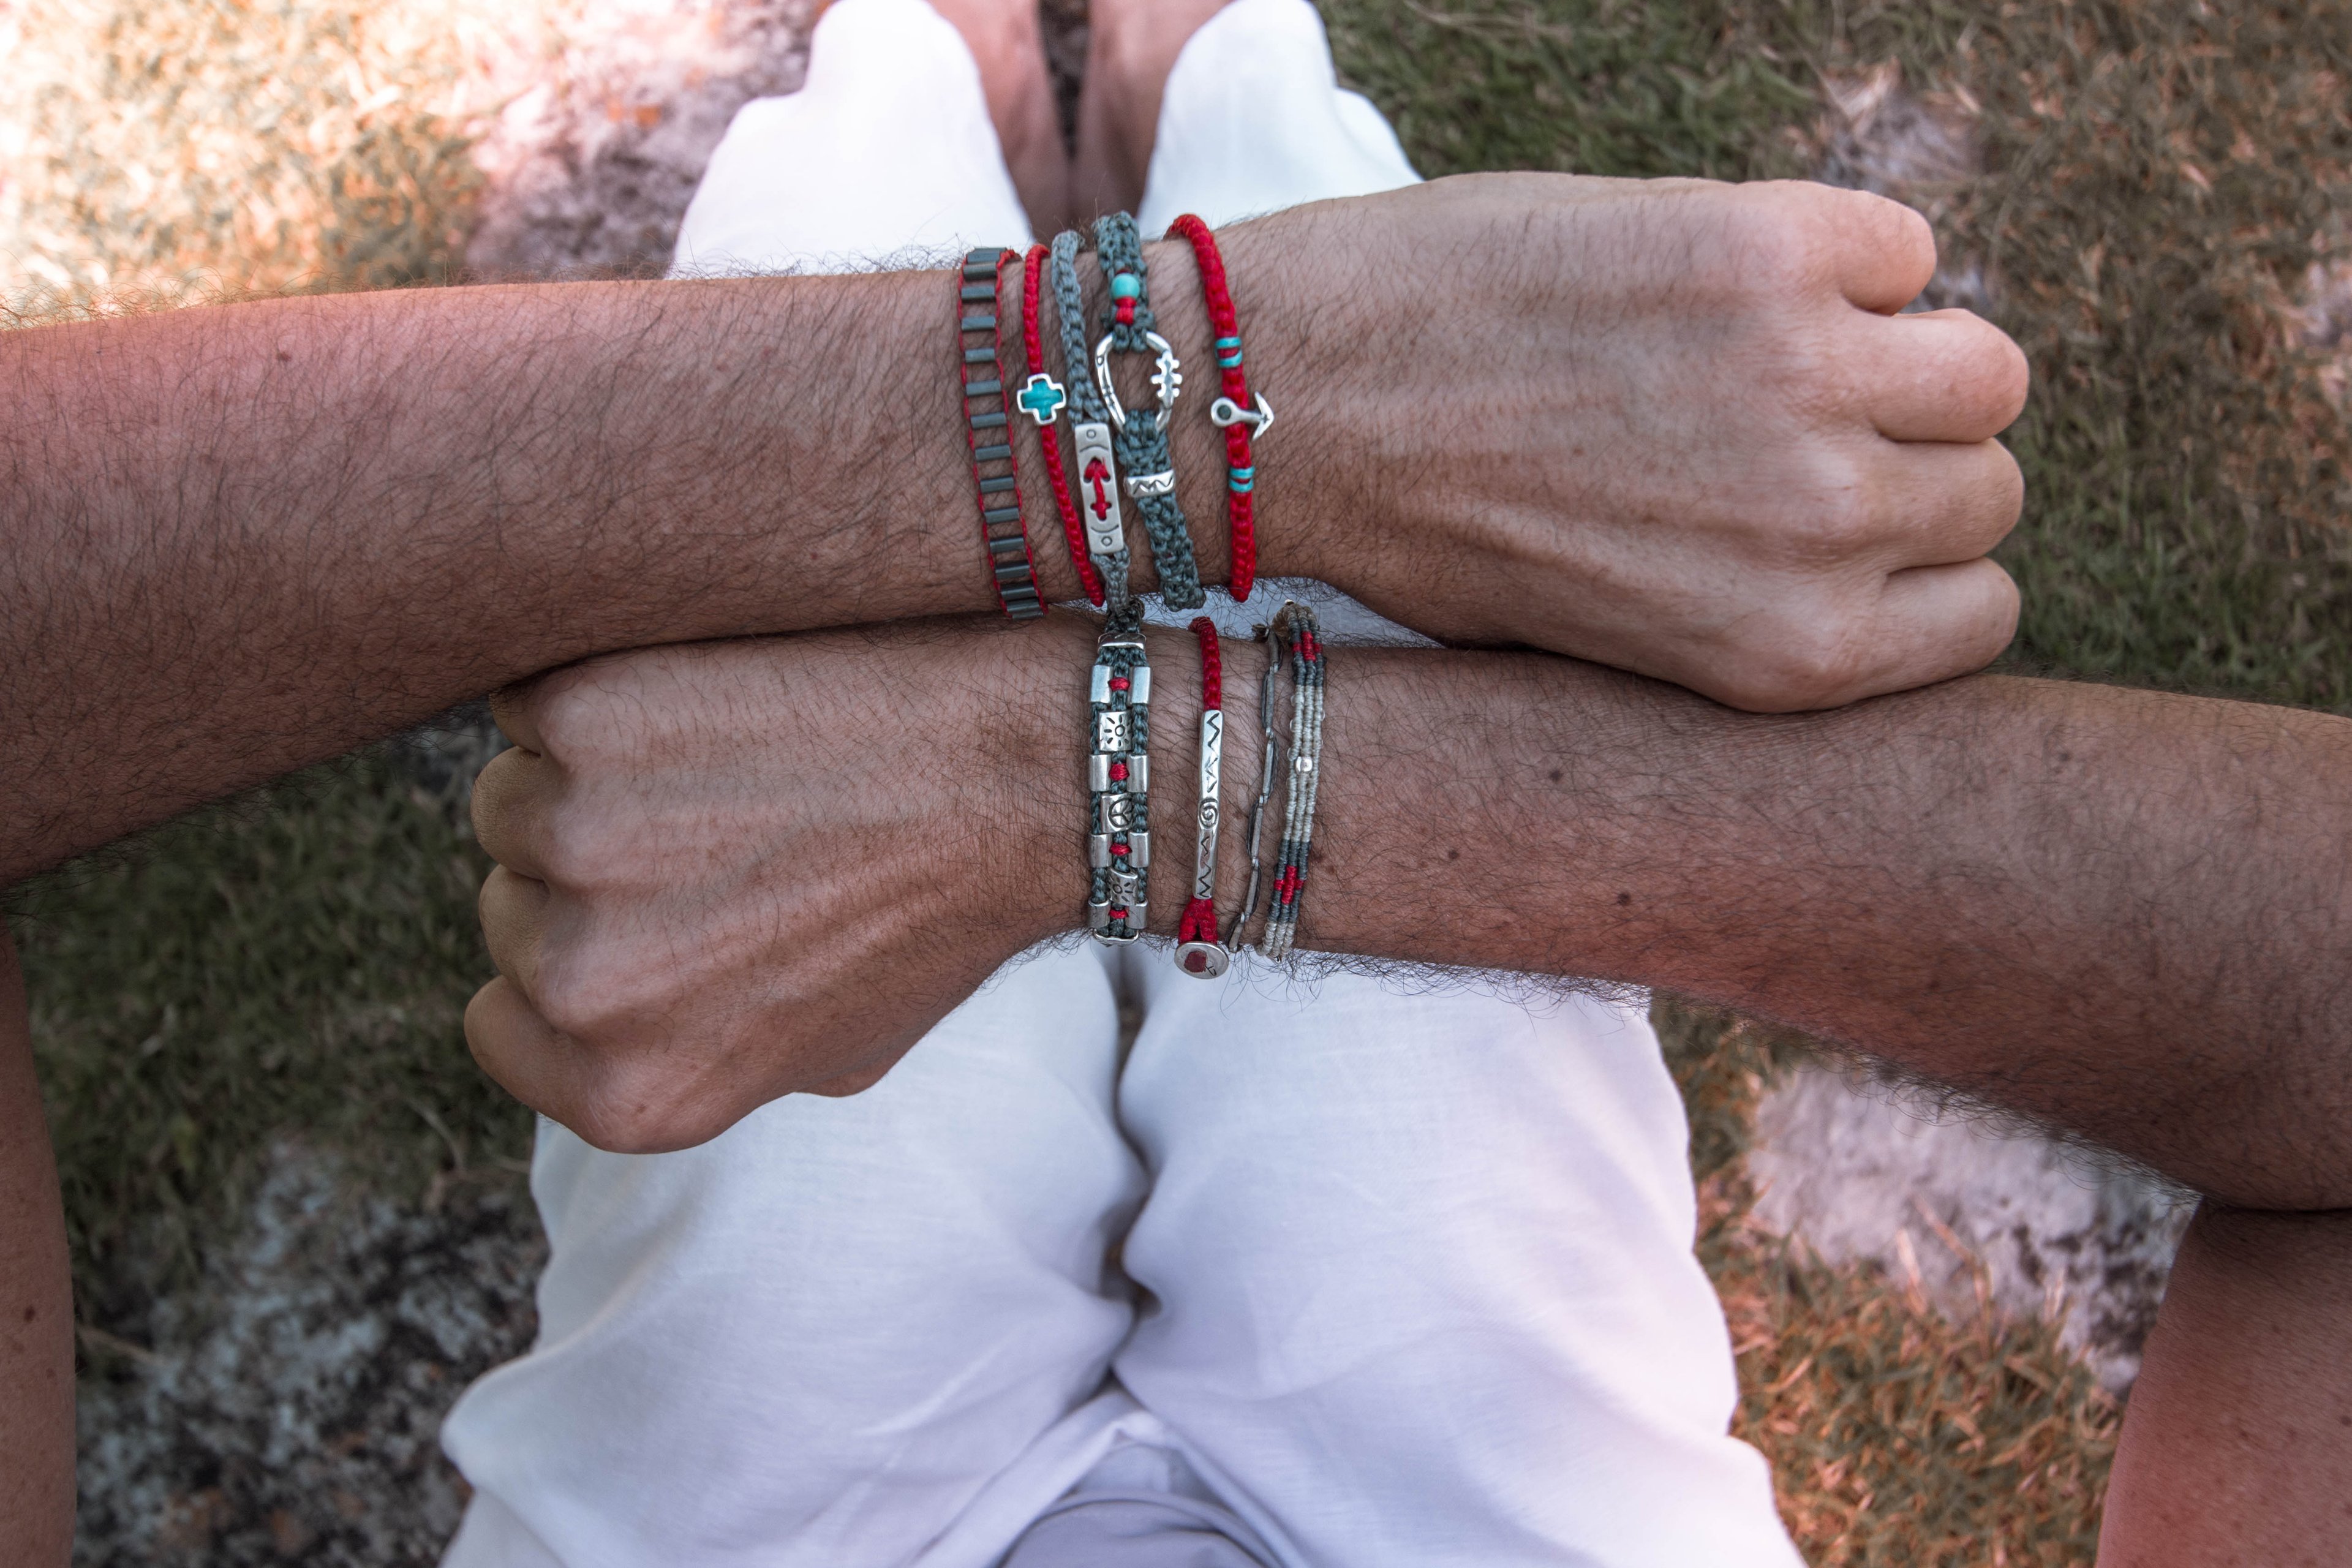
1119	848
1118	770
1119	683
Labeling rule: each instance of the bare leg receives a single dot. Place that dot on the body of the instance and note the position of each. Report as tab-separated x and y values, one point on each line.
1004	39
1132	46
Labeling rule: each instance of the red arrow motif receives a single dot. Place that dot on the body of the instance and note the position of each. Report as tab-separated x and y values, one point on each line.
1099	474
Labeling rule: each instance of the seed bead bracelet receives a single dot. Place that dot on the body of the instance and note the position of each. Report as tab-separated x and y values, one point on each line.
1139	435
1269	756
1094	465
1119	783
989	436
1042	398
1296	625
1198	951
1235	413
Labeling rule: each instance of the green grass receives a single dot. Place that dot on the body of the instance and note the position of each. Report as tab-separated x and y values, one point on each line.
296	959
2185	525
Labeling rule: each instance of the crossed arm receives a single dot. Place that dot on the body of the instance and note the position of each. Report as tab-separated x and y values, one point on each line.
736	870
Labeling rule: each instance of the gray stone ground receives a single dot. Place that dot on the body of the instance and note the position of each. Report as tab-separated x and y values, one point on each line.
287	1410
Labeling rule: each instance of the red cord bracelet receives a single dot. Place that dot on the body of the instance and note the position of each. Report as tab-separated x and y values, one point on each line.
1198	952
1041	398
1236	412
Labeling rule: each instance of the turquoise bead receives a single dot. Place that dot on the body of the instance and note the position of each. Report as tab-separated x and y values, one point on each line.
1125	285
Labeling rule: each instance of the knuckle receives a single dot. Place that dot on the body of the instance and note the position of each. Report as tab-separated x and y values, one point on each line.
637	1108
1800	662
1832	516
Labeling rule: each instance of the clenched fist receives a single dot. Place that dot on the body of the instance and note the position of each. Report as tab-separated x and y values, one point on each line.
1673	425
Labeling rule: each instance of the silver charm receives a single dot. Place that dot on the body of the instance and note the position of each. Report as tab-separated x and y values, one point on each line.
1113	733
1206	959
1097	483
1205	842
1167	378
1224	411
1142	485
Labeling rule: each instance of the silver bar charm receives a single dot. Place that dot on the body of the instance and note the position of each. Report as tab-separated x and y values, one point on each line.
1138	850
1205	842
1098	850
1138	686
1094	477
1097	774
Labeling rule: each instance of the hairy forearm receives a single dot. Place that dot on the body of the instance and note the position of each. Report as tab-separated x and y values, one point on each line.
242	539
2123	912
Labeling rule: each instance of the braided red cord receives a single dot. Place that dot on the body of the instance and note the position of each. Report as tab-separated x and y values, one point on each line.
1240	512
1048	437
1199	920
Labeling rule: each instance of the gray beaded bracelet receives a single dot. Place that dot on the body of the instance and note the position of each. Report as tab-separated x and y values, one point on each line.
1295	636
1140	437
1118	784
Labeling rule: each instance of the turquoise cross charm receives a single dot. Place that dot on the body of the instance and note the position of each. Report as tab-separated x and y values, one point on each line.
1042	398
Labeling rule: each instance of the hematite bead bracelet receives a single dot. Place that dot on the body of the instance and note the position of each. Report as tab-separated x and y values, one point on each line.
1141	436
1118	784
988	433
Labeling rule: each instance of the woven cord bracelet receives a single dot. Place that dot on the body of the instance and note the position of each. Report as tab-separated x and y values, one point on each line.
1141	436
1296	625
1094	471
1042	398
1235	413
1198	952
1119	783
988	433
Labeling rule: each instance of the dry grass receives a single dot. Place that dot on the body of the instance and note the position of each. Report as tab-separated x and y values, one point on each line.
1897	1438
157	155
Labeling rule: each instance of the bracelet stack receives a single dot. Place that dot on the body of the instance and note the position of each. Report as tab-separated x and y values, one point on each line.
989	435
1120	452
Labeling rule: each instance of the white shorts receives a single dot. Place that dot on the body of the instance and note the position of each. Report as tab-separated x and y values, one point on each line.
1327	1274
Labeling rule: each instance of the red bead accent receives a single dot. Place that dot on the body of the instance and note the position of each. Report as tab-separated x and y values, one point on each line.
1033	360
1118	770
1241	514
1196	961
1119	683
1286	886
1116	913
1125	309
1119	848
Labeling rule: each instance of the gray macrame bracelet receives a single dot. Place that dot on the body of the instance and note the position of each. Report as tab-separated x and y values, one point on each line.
1140	437
1118	785
1094	471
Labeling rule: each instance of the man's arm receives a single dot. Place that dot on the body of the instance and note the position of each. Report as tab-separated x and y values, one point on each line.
731	872
1673	426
